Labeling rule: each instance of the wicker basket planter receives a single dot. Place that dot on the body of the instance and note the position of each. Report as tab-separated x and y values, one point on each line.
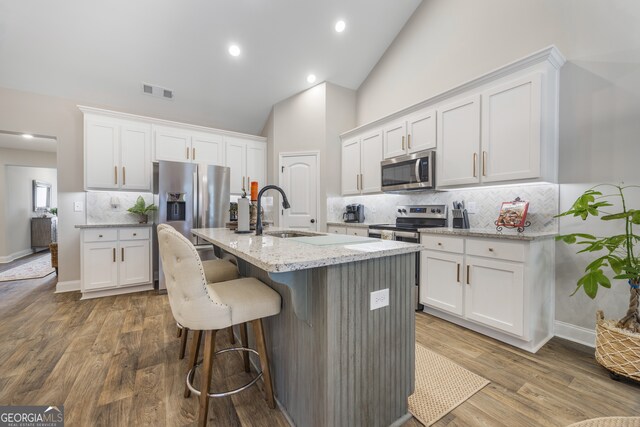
617	350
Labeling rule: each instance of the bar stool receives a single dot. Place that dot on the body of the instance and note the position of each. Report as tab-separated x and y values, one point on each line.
215	270
209	307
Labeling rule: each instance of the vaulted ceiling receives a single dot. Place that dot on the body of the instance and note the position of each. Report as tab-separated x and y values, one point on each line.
100	52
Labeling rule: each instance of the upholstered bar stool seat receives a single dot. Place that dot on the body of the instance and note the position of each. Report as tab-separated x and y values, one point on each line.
206	308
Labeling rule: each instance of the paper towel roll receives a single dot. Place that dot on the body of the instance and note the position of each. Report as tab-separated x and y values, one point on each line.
386	235
243	214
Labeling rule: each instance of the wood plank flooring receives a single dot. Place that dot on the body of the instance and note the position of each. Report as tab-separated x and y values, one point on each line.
114	362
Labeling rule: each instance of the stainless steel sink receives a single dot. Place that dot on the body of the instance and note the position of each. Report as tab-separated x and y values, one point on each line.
285	234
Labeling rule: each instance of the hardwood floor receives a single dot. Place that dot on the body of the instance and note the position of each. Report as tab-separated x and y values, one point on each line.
114	362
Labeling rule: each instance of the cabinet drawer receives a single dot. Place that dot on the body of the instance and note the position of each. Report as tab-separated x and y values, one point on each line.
100	235
141	233
336	230
443	243
495	249
357	231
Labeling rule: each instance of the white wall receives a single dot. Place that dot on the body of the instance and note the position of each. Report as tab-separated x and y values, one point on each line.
447	42
19	204
9	157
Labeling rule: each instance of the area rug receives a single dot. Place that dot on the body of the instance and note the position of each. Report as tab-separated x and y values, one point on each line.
441	386
609	422
34	269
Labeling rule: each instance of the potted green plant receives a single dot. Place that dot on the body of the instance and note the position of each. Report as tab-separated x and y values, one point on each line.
617	342
142	210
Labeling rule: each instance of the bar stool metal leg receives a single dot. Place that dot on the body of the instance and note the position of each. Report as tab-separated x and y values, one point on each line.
264	362
209	344
245	344
193	356
183	342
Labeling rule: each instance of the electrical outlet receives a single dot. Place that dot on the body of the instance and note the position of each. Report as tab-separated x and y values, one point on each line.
472	207
379	299
77	206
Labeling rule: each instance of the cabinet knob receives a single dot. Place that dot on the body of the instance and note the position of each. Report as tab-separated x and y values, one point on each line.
135	234
490	249
99	235
439	244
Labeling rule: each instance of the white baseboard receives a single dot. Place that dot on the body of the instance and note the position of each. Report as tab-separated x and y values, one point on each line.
575	333
68	286
14	256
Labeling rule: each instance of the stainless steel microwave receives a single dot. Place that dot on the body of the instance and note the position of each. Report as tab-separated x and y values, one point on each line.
411	172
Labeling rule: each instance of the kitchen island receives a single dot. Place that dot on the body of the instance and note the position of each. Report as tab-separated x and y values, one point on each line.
334	361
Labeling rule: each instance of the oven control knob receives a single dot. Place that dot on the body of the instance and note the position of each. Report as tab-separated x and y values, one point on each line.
439	211
399	210
404	211
433	211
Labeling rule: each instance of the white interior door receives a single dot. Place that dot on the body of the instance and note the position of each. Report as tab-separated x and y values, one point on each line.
299	180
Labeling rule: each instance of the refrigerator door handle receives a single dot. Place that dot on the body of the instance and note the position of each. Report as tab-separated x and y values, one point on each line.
194	196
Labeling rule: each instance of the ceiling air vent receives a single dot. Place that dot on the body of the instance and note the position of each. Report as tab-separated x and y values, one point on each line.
157	91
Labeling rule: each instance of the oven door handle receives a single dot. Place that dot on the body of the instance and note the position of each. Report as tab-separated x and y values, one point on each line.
407	234
417	170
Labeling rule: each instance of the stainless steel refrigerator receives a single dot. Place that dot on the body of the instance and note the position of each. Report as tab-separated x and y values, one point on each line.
189	196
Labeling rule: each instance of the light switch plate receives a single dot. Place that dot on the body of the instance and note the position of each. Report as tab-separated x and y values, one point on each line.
77	206
472	207
379	299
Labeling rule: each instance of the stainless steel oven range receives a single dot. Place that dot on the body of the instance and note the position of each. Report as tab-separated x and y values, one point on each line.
410	219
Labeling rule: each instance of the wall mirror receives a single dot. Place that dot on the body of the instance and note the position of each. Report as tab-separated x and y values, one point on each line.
41	195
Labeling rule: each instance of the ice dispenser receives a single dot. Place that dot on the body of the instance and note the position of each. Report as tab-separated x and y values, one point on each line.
176	207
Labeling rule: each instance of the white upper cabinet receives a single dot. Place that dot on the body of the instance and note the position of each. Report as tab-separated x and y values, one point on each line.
183	145
421	131
395	135
117	154
459	142
247	160
361	157
511	115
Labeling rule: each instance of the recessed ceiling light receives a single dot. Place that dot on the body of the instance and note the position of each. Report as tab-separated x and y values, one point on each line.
234	50
311	78
27	136
340	26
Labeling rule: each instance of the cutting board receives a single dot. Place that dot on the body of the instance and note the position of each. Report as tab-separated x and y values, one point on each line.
332	239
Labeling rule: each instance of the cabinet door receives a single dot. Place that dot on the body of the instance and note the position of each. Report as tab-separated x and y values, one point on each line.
208	149
100	266
135	156
511	130
494	294
357	231
257	163
394	139
370	158
236	160
172	144
351	166
441	281
101	154
459	143
134	260
421	131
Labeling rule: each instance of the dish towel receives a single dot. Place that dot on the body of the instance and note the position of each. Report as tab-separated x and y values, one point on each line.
386	235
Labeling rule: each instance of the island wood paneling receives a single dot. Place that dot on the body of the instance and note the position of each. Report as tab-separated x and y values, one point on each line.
348	366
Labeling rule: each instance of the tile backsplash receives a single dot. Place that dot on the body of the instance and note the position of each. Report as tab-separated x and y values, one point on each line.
380	208
101	211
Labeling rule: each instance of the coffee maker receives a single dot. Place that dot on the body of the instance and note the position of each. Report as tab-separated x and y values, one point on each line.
354	213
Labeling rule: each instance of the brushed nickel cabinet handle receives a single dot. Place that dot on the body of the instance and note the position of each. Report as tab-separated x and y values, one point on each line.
409	140
475	160
403	142
458	277
124	176
484	163
187	153
115	174
193	153
468	281
243	187
114	254
122	254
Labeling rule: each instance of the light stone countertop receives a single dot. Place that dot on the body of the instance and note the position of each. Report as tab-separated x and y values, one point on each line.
483	232
83	226
276	254
349	224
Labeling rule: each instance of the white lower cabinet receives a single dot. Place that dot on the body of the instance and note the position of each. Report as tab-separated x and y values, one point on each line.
353	231
115	260
335	229
501	288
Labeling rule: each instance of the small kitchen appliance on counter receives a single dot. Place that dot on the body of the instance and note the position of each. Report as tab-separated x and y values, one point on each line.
354	213
409	219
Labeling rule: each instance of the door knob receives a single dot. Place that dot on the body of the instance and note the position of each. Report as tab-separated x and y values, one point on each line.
313	221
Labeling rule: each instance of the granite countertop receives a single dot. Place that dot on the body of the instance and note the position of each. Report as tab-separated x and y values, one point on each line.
350	224
82	226
275	254
483	232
